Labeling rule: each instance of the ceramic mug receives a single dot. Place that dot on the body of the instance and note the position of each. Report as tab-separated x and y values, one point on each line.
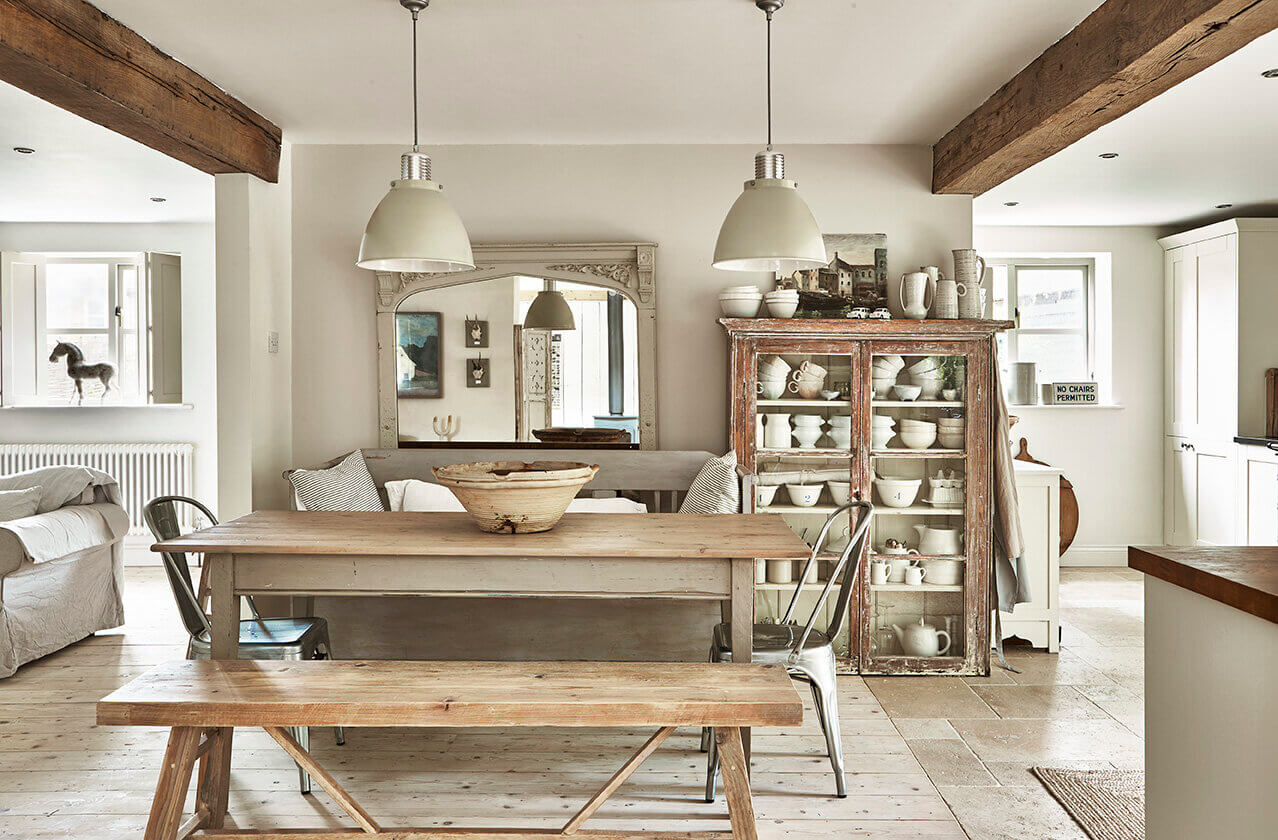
914	575
771	389
812	369
879	572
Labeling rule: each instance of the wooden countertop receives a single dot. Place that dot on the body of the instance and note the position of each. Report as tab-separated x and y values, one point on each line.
1243	577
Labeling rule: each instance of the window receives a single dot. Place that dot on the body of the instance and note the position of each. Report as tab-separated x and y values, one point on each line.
119	309
1053	302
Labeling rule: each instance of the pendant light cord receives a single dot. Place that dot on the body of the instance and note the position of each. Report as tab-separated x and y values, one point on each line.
415	141
769	81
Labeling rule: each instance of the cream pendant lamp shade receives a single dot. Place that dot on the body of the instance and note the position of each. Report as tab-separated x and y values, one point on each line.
769	228
415	228
549	311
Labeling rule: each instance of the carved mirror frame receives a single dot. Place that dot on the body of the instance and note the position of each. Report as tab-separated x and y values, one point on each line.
625	267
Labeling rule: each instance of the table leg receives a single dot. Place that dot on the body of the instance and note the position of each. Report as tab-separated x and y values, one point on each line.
226	606
215	777
743	624
736	783
170	788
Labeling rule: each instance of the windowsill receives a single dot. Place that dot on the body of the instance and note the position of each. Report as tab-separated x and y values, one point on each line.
1013	407
116	407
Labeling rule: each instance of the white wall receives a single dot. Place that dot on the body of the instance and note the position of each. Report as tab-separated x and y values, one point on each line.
137	424
675	196
484	414
1113	456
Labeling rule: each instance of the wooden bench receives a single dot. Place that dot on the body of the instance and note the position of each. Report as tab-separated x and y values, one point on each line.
203	701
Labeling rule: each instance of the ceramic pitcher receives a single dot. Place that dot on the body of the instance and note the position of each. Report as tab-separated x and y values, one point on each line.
971	298
776	434
968	266
947	299
915	299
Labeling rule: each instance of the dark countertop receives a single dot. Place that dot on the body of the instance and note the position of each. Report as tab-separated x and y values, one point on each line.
1272	443
1243	577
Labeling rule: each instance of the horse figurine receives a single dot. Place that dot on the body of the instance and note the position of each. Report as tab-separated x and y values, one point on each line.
79	371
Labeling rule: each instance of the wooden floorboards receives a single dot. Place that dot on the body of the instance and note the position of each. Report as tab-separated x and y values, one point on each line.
63	776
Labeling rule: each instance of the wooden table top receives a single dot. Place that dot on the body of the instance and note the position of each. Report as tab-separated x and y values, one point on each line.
391	693
1243	577
675	536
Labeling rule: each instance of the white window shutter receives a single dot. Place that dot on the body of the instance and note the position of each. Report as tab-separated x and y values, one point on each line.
164	327
21	333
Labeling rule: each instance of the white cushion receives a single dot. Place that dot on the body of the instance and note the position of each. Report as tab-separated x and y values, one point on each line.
19	504
414	494
611	505
345	486
716	488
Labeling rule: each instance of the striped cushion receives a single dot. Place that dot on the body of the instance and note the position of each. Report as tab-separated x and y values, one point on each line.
715	489
346	486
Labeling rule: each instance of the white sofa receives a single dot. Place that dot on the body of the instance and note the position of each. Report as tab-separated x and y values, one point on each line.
61	568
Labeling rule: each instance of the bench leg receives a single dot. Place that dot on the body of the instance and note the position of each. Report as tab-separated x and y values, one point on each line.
175	778
736	782
215	777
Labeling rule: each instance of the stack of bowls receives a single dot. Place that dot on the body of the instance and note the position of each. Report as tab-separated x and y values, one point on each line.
773	372
740	301
950	432
841	431
926	373
881	431
917	434
883	374
807	429
782	303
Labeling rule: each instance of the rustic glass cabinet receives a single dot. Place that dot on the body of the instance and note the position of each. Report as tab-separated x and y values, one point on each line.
900	412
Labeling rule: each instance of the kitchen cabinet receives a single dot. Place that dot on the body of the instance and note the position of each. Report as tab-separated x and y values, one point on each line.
1219	340
1258	493
931	490
1037	621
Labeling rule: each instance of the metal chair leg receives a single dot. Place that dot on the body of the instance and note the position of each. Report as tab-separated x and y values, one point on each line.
816	703
339	734
302	734
712	767
828	687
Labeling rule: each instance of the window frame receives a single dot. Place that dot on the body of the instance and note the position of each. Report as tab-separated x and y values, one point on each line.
1090	338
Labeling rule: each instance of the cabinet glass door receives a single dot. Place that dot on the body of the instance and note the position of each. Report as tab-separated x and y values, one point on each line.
802	448
919	469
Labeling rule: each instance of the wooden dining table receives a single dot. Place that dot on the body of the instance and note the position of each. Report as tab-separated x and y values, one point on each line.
587	555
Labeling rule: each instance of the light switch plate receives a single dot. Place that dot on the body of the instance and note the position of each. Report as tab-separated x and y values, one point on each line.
272	342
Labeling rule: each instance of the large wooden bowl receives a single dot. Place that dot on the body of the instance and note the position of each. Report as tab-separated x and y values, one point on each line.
513	497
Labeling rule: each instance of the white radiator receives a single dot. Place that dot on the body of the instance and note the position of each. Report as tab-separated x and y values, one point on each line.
144	470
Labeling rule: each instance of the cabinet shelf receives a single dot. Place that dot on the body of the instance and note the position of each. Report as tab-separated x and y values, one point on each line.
922	587
959	557
799	402
826	509
916	403
804	453
919	453
912	510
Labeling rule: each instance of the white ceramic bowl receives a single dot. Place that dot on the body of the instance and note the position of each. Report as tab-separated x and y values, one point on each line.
840	491
782	294
898	492
842	438
950	421
879	437
944	572
950	441
808	420
803	495
907	392
893	362
908	425
765	493
917	439
739	307
782	309
925	364
807	436
928	388
841	421
754	290
945	497
882	420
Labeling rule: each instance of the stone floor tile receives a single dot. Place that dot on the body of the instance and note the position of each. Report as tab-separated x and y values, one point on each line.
1017	773
1048	741
950	762
1119	702
1048	702
928	697
920	728
1010	813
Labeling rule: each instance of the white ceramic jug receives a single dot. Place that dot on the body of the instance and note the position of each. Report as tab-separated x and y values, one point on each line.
776	434
939	540
916	297
921	640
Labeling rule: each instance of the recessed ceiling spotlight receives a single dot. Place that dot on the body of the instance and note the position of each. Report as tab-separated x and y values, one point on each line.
1010	203
24	150
1223	206
1108	155
158	199
1271	73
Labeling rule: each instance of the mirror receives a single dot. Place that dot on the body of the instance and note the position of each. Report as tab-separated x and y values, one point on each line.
457	368
466	370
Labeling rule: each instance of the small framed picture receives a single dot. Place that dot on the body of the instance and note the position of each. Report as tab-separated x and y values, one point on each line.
477	373
476	333
419	346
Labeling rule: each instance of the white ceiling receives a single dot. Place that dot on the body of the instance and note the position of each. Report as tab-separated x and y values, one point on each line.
1207	141
82	172
606	71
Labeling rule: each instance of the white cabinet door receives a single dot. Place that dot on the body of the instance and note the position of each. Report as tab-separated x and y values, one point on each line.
1215	478
1181	340
1180	495
1257	496
1215	363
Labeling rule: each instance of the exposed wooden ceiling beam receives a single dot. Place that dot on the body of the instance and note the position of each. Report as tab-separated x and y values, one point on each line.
1124	54
71	54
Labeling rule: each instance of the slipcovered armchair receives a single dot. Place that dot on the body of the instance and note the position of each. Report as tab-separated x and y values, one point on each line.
60	567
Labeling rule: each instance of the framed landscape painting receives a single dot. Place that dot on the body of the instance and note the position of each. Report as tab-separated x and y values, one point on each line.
418	348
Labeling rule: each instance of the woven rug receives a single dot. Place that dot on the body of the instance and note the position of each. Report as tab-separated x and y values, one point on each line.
1107	804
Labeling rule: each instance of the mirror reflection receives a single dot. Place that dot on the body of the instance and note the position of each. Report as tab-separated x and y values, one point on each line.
472	366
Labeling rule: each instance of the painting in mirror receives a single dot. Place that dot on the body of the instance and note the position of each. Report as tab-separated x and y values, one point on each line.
418	344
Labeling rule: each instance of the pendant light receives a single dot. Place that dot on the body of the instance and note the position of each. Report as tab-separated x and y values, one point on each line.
414	228
769	228
549	311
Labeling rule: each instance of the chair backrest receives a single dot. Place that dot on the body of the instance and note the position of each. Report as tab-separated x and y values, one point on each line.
842	574
164	517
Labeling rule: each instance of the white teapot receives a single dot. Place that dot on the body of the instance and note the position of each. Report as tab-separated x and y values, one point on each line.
921	640
939	540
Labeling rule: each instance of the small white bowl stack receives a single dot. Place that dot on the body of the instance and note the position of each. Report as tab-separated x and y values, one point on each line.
782	303
883	374
926	374
881	430
950	432
740	301
917	434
